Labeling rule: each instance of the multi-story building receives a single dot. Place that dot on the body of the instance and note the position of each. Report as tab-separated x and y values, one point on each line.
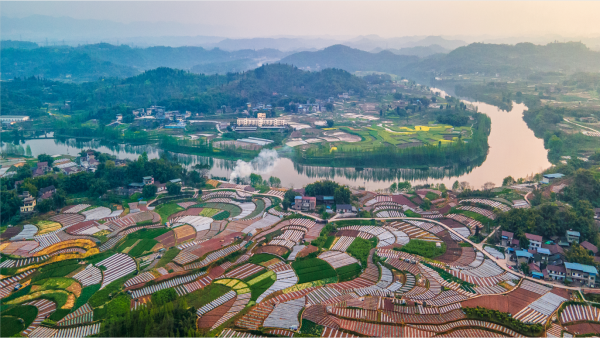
573	236
305	203
585	274
261	120
535	241
556	272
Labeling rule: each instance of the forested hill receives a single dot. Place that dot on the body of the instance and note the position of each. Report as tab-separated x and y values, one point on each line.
520	59
65	63
350	59
181	90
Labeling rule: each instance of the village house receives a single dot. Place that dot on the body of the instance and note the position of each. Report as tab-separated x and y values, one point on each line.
573	236
584	274
535	241
46	192
507	238
305	203
29	202
590	247
343	208
148	180
556	272
557	254
40	169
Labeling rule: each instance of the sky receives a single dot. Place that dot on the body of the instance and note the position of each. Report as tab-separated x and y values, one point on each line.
337	18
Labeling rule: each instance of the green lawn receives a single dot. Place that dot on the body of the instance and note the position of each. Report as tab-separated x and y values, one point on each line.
424	248
312	269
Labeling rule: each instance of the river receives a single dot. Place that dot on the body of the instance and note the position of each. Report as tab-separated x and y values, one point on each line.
514	151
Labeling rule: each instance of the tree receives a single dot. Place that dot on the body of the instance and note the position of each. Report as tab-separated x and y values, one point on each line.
488	186
275	182
329	107
173	188
404	186
45	205
255	179
578	254
288	198
329	123
342	195
46	158
28	150
10	205
465	186
525	268
393	187
455	186
508	181
149	191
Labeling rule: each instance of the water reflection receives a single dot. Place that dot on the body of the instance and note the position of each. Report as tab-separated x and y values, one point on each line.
514	150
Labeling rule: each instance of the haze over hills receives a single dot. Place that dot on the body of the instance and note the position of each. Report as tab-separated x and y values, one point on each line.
89	62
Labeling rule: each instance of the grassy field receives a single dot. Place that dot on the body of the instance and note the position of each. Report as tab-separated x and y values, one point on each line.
424	248
209	212
233	210
167	210
201	297
359	249
11	325
47	226
312	269
260	284
142	246
167	257
263	257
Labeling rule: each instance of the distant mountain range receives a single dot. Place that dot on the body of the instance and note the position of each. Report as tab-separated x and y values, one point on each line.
89	62
518	60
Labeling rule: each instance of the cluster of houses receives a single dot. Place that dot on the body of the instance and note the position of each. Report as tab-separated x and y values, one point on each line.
137	187
309	204
547	259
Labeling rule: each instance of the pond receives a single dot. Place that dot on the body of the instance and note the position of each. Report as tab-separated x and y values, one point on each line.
514	150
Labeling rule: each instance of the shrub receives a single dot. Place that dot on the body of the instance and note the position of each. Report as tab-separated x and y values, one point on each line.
117	307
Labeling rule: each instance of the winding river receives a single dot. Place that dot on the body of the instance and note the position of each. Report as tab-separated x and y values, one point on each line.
514	151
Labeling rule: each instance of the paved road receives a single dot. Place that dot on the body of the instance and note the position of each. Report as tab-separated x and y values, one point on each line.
579	125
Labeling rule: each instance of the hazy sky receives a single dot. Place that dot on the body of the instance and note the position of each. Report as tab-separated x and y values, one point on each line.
341	18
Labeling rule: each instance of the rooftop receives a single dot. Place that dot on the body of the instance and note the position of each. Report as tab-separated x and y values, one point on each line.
589	246
582	267
523	253
532	237
543	251
573	233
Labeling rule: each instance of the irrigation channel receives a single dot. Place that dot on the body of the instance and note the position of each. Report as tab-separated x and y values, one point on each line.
514	151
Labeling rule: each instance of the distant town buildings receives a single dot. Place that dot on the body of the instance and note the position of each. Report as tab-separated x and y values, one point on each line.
13	118
261	121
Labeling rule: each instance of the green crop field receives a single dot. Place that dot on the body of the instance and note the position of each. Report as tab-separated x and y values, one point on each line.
260	284
349	272
233	210
423	248
167	210
260	207
312	269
